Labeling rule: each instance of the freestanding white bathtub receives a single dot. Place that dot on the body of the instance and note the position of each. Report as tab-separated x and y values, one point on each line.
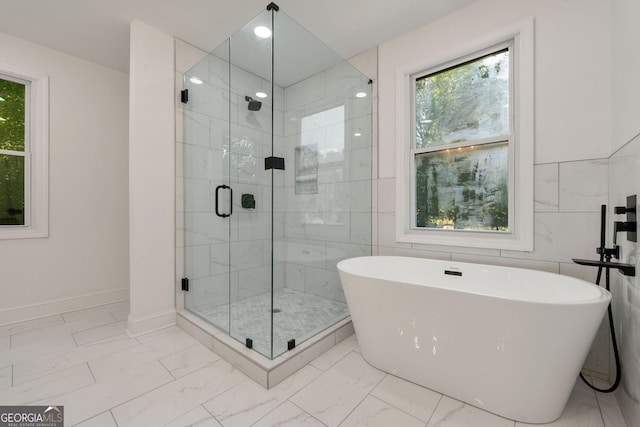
507	340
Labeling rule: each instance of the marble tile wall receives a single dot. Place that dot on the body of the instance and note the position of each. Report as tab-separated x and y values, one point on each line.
624	176
328	217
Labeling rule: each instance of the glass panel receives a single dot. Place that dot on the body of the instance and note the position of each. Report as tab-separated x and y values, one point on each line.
12	115
464	188
322	200
462	103
11	190
205	170
252	95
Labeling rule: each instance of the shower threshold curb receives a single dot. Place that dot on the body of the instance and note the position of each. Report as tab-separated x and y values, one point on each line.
262	370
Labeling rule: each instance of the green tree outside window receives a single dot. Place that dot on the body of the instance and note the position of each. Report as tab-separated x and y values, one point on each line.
12	149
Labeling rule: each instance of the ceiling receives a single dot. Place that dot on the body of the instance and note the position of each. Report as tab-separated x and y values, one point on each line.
98	30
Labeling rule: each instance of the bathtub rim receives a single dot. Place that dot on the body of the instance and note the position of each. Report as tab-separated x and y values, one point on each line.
601	293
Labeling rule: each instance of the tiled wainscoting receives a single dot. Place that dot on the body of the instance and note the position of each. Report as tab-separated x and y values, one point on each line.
85	361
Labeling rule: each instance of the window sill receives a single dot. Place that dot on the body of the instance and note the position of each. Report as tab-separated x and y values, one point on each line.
466	238
22	232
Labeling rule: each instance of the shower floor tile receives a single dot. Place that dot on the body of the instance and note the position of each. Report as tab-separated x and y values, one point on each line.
297	315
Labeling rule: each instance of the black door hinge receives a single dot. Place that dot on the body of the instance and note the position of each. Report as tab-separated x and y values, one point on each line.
185	284
184	96
274	163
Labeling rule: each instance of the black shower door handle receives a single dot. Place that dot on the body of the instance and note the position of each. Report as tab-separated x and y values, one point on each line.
223	187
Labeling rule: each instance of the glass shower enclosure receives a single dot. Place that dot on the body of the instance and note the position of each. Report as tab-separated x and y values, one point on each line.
277	183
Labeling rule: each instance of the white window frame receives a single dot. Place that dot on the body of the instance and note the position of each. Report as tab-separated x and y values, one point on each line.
520	234
36	155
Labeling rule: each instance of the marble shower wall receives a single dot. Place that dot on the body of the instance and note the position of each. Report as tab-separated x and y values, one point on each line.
327	197
624	175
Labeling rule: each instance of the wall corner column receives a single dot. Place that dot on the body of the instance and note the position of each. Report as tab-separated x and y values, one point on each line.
151	179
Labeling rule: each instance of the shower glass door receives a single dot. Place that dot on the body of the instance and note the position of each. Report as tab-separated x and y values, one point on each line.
208	188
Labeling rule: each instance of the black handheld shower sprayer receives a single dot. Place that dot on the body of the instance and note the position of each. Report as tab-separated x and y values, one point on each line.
605	262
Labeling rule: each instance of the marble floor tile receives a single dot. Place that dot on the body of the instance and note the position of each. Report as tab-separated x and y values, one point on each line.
30	325
198	417
376	413
123	361
413	399
334	354
179	396
191	359
47	362
288	415
52	339
81	323
581	411
337	391
97	312
87	402
609	407
105	419
247	402
453	413
164	332
100	332
34	345
48	387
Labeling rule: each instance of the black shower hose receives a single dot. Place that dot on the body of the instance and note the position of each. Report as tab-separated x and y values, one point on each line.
616	355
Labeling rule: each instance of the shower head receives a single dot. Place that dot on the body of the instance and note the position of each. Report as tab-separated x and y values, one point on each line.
253	104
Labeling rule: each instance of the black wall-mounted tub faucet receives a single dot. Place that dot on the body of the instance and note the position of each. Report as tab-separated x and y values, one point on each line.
630	226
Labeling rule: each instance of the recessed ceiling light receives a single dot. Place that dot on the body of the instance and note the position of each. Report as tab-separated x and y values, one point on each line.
195	81
262	32
357	134
361	95
261	94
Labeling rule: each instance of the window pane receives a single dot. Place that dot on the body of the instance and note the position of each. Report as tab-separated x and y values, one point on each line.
463	188
12	110
11	190
462	103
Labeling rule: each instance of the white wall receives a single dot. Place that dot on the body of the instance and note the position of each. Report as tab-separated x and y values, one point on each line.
151	179
626	61
84	261
573	80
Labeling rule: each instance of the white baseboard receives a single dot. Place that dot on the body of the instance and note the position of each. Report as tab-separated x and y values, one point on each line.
145	324
51	308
